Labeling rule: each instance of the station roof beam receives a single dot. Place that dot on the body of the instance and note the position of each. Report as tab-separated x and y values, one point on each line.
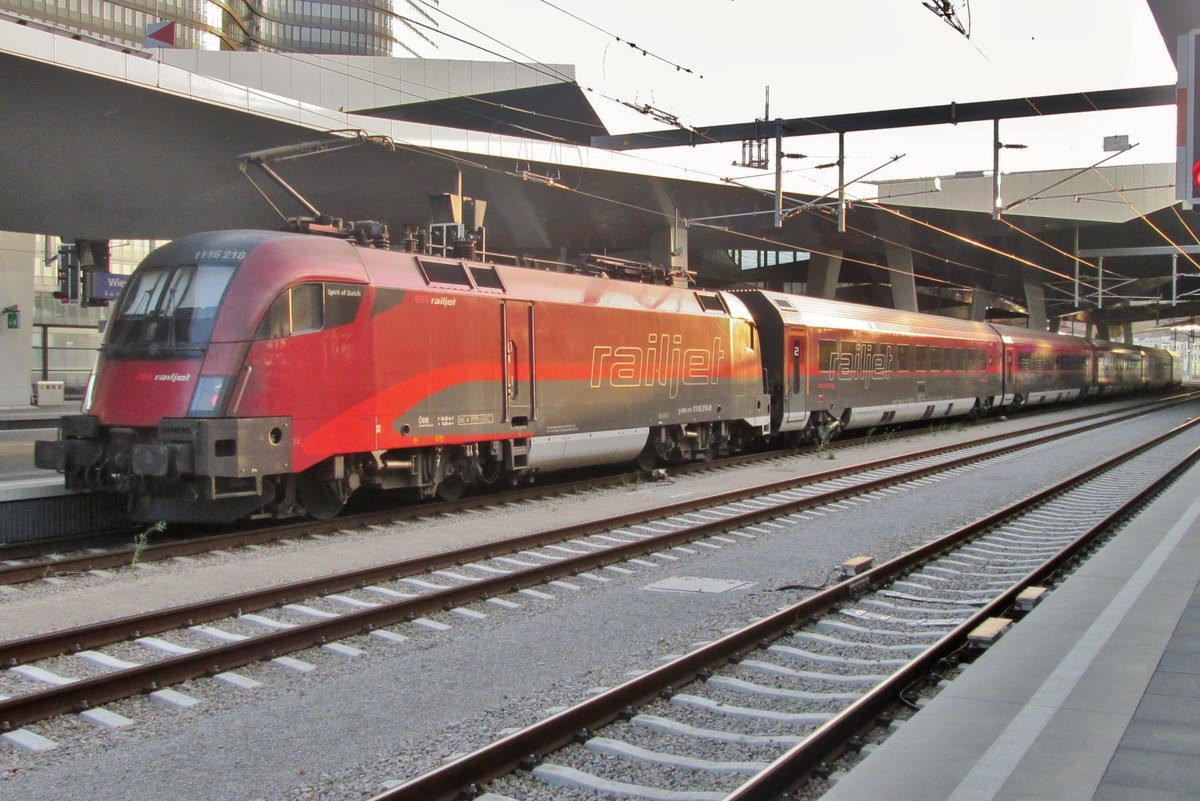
947	114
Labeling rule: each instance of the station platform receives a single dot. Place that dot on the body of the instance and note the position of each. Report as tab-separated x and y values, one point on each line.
25	417
1093	696
20	427
34	504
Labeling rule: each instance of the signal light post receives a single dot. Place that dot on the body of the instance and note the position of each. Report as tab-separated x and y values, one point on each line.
1187	153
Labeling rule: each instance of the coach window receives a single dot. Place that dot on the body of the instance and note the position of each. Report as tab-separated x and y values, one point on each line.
826	350
922	362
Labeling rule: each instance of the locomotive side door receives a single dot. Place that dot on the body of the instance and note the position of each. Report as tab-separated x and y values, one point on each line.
517	353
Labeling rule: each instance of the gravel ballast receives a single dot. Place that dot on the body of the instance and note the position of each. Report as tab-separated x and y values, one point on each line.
342	730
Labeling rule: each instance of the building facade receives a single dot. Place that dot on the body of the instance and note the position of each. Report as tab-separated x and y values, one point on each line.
364	27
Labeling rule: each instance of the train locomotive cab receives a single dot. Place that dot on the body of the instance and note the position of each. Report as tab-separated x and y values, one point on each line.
157	421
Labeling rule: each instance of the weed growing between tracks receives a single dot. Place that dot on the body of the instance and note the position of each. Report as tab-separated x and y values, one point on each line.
143	539
824	437
51	559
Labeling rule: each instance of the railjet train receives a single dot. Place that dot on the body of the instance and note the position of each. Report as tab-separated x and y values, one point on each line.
267	373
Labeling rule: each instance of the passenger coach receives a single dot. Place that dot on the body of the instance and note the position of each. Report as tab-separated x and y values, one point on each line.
842	365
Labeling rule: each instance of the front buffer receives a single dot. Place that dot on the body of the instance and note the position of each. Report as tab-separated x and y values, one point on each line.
189	470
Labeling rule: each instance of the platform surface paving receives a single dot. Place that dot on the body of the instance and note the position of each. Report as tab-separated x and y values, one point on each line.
1095	695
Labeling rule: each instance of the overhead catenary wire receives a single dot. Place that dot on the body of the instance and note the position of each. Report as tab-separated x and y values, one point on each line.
962	238
790	246
642	50
1186	227
1149	222
809	208
658	213
526	176
1037	195
461	161
646	109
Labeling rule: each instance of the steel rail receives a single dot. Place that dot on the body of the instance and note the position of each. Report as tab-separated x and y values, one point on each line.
467	772
88	693
797	763
124	556
79	638
189	546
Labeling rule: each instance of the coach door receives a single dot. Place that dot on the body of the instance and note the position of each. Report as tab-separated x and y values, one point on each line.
1010	372
796	379
518	354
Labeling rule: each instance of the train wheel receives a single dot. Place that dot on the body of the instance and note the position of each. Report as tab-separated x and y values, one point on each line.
648	459
489	472
451	488
322	499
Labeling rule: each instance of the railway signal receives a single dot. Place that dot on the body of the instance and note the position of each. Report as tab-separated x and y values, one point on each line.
1187	153
67	290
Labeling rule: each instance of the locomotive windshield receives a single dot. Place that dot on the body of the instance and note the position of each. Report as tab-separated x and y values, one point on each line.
170	307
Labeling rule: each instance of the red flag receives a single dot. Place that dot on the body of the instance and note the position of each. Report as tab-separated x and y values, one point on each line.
160	34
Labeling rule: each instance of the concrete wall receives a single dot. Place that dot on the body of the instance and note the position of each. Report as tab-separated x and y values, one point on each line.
17	256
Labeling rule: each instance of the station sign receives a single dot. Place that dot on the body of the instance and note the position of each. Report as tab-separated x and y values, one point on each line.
105	286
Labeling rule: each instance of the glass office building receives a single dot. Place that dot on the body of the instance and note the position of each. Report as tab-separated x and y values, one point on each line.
366	27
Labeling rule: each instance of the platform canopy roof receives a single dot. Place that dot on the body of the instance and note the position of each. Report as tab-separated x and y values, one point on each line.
100	144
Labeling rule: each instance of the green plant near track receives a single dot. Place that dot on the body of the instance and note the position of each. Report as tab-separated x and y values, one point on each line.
143	539
824	437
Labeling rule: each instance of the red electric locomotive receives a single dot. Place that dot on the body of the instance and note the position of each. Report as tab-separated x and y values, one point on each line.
251	372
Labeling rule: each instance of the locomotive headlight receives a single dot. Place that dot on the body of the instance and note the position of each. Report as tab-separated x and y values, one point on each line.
210	391
90	392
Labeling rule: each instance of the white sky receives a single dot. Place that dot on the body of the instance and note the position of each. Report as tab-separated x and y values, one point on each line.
834	56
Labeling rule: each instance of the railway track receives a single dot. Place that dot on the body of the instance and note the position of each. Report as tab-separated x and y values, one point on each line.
80	555
750	716
374	599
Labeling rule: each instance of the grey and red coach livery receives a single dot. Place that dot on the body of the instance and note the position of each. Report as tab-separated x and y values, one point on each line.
249	372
